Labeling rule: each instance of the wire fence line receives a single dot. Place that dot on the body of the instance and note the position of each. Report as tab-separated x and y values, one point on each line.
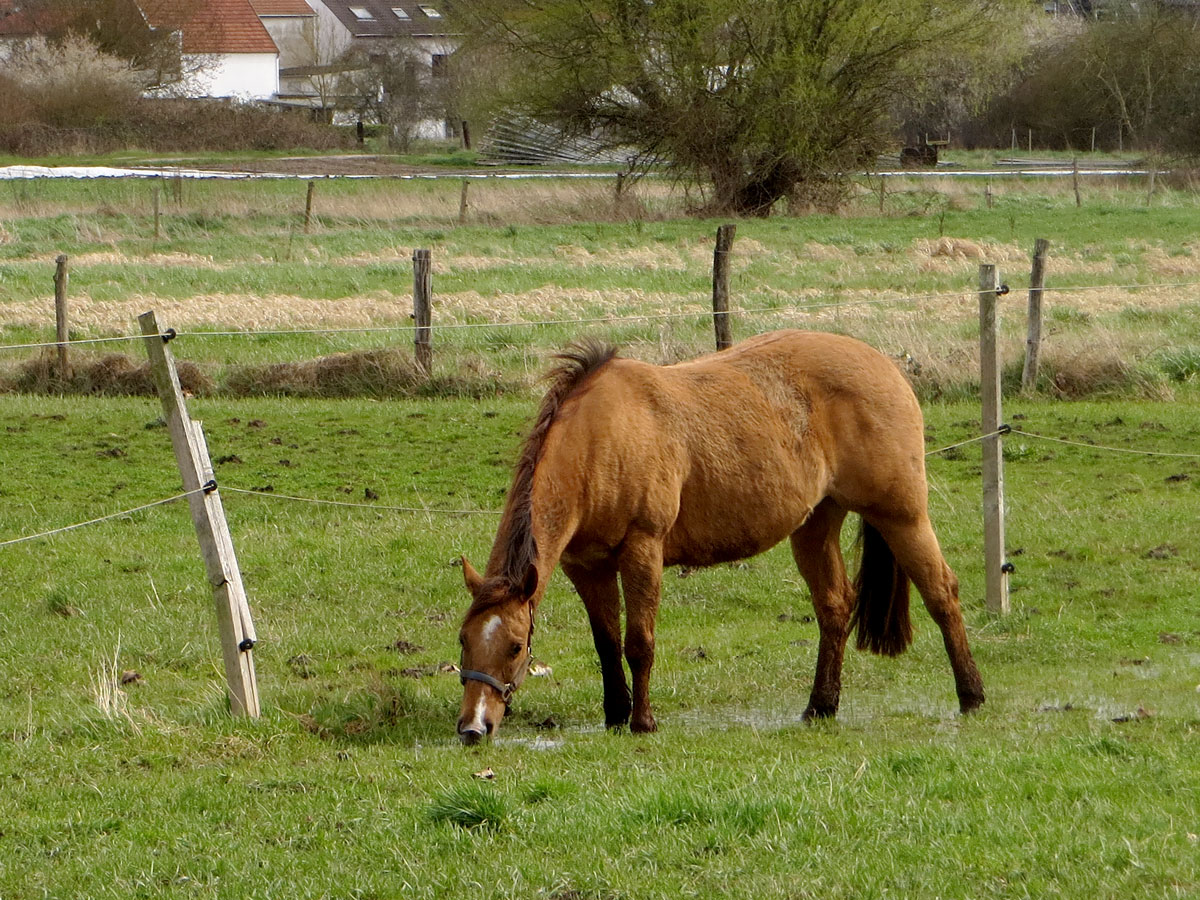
540	323
1042	437
117	515
376	506
834	303
467	511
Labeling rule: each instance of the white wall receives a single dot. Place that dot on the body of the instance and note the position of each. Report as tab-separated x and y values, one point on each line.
249	76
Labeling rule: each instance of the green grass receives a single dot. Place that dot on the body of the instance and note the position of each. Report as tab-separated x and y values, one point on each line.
1077	779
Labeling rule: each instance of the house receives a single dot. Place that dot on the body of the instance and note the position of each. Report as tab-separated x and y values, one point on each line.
225	49
374	25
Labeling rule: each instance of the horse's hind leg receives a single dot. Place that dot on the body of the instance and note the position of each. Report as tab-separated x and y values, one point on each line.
916	549
818	554
602	599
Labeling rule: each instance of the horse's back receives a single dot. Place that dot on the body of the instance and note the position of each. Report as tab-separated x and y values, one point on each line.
862	413
731	452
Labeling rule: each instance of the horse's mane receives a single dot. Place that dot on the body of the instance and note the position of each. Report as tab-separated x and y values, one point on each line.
576	363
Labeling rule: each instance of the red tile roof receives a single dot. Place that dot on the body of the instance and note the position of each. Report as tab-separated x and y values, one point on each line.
282	8
26	21
211	26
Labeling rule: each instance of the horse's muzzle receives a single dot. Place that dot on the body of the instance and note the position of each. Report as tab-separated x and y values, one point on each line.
470	737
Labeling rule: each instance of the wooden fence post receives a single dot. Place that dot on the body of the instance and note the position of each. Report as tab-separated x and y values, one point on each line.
996	567
157	210
1075	181
720	279
1033	341
308	205
463	206
423	310
62	331
212	531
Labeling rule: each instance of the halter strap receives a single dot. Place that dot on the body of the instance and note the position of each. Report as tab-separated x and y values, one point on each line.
506	690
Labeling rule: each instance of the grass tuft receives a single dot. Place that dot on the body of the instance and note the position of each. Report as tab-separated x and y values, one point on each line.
472	806
110	699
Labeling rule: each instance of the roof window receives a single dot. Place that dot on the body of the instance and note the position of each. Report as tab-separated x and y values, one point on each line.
431	12
399	13
362	13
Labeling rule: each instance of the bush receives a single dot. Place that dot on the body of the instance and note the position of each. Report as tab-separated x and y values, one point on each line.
72	84
1133	76
69	98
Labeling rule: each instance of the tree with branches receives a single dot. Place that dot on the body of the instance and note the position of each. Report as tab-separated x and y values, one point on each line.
759	101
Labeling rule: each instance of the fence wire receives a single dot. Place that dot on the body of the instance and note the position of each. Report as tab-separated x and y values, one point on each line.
641	317
97	521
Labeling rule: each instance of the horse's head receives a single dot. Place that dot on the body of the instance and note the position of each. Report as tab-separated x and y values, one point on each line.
496	638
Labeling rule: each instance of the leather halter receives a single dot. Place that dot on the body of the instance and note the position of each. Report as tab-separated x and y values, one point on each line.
505	689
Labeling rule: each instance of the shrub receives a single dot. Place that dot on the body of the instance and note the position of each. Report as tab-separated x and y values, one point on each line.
70	98
71	84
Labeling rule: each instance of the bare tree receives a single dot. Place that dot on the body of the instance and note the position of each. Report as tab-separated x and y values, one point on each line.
316	51
392	84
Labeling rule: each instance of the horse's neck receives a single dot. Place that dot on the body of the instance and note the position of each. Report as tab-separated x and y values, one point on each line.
551	534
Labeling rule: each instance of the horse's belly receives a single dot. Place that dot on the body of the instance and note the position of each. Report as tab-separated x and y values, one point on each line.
728	537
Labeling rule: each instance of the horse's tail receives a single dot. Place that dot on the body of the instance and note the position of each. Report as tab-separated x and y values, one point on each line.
881	597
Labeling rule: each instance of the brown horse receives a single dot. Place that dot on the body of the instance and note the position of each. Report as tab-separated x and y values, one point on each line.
631	467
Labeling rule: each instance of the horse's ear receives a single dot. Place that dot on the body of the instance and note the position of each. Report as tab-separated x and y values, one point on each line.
530	584
471	577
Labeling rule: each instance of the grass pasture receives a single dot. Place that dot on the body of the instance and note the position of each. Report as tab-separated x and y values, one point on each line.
1078	778
123	775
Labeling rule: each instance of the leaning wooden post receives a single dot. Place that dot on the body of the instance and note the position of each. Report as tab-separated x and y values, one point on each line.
423	310
1075	181
996	567
721	253
208	515
1033	340
308	205
62	331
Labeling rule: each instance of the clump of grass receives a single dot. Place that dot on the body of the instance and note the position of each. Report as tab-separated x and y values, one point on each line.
471	806
59	604
112	702
372	373
112	375
1093	372
1180	364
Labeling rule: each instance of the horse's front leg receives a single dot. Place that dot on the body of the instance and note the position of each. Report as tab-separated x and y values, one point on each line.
598	590
641	579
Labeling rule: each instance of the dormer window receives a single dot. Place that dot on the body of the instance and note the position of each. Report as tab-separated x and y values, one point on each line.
430	11
362	13
399	13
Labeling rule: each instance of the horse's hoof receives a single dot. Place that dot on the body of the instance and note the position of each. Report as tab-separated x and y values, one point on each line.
647	726
968	705
813	713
